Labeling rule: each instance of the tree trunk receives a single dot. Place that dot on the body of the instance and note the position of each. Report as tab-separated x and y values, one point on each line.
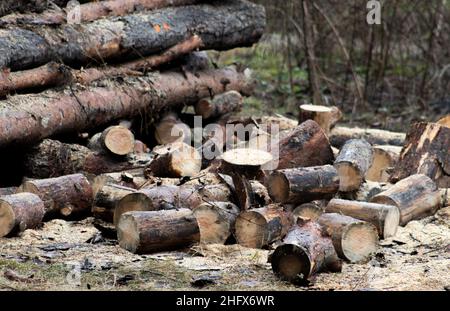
385	218
339	136
354	240
19	212
311	210
384	159
116	140
149	232
219	105
416	197
301	185
426	151
352	163
325	116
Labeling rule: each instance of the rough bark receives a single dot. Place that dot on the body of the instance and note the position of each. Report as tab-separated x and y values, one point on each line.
339	136
9	6
384	160
149	232
325	116
416	197
219	105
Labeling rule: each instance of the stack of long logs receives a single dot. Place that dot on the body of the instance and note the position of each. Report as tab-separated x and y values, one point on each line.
315	193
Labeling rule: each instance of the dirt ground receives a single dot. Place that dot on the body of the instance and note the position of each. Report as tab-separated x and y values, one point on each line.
74	256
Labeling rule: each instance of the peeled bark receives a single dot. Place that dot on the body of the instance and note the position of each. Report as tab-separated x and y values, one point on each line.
416	197
384	160
219	105
311	210
352	163
325	116
19	212
301	185
116	140
305	251
426	151
149	232
354	240
384	217
66	196
339	136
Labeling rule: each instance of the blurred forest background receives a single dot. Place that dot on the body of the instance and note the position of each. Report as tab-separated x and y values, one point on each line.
325	52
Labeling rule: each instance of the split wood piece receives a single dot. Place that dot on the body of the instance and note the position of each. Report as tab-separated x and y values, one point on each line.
8	191
216	221
170	129
180	160
219	105
416	197
354	240
117	140
19	212
52	158
384	159
221	26
325	116
305	184
339	136
311	210
257	228
385	218
426	151
367	191
445	121
305	251
65	196
131	179
83	108
149	232
306	145
106	200
352	164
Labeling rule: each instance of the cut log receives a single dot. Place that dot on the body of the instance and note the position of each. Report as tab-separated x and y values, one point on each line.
352	163
180	160
106	200
339	136
216	221
170	129
117	140
219	25
445	121
325	116
385	218
64	196
384	160
131	179
82	108
301	185
367	190
354	240
306	145
305	251
260	227
52	158
311	210
416	197
149	232
19	212
426	151
219	105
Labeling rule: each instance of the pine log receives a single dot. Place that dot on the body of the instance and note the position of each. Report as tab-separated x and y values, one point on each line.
325	116
426	151
116	140
219	105
66	196
311	210
301	185
170	129
149	232
352	163
366	191
339	136
385	157
354	240
131	179
416	197
306	145
106	200
305	251
384	217
216	221
78	109
257	228
19	212
52	158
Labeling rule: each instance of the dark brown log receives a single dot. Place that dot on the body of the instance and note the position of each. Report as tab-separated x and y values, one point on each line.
52	158
219	25
19	212
306	145
106	200
352	163
384	217
305	252
339	136
325	116
116	140
149	232
170	129
311	210
416	197
301	185
257	228
354	240
426	151
385	157
219	105
216	221
80	108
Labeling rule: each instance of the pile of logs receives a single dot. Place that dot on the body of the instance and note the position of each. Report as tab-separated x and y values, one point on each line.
108	131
